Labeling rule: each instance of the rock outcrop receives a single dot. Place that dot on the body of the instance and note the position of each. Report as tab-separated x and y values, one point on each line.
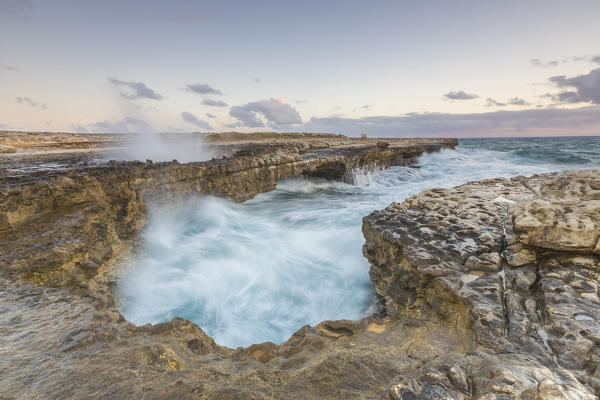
512	263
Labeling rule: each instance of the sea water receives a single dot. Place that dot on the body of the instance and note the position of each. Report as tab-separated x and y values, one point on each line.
260	270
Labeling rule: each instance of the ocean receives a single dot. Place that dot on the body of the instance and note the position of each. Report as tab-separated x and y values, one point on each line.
260	270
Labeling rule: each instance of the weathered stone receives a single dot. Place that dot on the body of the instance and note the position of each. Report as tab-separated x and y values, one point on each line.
484	262
551	390
517	256
541	310
574	226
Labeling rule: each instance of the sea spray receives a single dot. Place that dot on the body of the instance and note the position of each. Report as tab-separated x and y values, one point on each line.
258	271
162	147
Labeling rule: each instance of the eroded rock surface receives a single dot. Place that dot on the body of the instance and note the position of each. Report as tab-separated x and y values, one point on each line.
515	264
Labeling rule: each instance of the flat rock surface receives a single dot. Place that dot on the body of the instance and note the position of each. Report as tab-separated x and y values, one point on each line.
513	262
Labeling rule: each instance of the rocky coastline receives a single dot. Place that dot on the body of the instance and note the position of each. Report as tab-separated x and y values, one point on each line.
490	288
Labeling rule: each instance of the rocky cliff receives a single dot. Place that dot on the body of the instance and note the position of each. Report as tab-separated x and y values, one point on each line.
515	264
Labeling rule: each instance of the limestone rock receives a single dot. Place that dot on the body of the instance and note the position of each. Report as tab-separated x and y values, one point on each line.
533	312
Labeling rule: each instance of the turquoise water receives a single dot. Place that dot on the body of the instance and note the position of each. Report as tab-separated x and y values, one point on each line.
258	271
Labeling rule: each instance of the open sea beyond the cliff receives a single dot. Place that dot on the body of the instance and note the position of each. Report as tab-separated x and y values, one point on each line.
258	271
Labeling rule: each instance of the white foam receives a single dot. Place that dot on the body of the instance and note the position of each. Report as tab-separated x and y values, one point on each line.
162	147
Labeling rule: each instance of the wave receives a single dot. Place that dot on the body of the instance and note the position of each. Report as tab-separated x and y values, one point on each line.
246	276
557	152
549	156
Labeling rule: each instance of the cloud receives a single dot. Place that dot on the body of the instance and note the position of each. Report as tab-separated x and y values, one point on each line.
201	88
553	63
544	64
367	106
209	115
586	87
192	119
214	103
245	116
141	90
515	101
125	125
555	121
460	95
491	103
29	102
277	112
146	108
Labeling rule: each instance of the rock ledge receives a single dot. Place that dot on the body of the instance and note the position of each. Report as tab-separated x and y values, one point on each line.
515	264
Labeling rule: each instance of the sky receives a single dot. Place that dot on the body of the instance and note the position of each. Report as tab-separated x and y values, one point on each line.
385	68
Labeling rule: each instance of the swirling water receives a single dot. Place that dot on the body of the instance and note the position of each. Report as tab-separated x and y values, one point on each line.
258	271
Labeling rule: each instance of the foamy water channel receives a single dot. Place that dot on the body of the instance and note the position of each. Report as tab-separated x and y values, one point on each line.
258	271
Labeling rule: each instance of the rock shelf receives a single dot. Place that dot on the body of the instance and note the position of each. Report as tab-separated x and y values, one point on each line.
530	250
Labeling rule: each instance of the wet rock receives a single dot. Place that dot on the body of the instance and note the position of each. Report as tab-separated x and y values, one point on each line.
262	352
484	262
550	390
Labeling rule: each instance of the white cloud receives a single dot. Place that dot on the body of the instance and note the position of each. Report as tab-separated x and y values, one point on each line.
192	119
29	102
277	113
202	88
141	90
124	125
460	95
